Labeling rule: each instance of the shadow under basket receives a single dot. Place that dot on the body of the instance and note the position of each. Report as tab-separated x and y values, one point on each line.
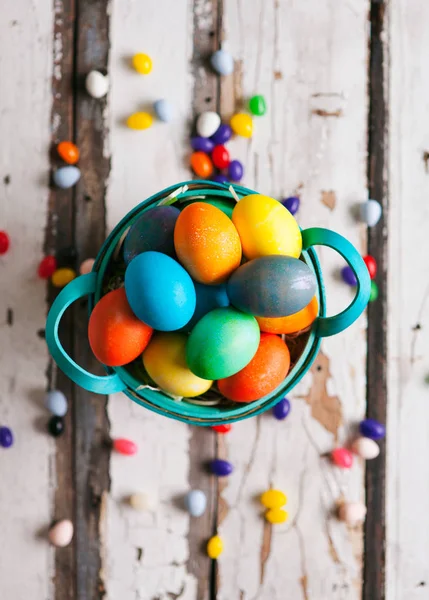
210	408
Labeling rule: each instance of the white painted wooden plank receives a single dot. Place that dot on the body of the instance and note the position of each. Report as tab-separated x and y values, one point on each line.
28	479
407	494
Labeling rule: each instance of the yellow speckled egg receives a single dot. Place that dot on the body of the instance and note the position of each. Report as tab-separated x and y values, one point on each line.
215	546
266	227
165	361
273	499
276	516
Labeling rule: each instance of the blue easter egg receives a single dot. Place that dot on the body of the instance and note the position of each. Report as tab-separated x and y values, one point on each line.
196	503
56	403
164	110
222	62
66	177
160	291
209	297
272	286
221	468
153	230
371	428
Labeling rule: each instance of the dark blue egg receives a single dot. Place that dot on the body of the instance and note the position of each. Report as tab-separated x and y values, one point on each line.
209	297
221	468
281	409
373	429
153	230
272	286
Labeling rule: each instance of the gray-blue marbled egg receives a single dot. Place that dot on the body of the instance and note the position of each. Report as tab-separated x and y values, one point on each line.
66	177
196	503
164	110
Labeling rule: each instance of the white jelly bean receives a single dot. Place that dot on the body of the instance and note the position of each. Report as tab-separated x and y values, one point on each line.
97	84
61	534
365	448
207	123
352	513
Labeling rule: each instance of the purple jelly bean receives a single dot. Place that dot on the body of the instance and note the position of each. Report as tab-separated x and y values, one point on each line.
371	428
281	409
292	204
235	170
222	135
348	276
220	179
201	144
6	437
221	468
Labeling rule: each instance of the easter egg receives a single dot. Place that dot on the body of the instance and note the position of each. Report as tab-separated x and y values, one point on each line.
293	323
266	227
165	361
273	498
207	123
262	375
66	177
115	334
164	110
196	503
242	124
371	428
61	534
153	230
370	212
272	286
222	343
69	152
96	84
207	243
209	297
222	62
160	291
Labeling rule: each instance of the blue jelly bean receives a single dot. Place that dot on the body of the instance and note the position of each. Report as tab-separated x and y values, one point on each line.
164	110
66	177
222	135
371	428
222	62
292	204
56	403
281	409
220	179
6	437
196	503
348	276
201	144
235	170
221	468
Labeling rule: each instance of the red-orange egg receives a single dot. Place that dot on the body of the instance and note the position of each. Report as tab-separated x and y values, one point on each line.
293	323
262	375
69	152
201	164
115	334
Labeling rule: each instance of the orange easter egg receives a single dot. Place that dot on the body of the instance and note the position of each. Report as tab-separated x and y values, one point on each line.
262	375
207	243
293	323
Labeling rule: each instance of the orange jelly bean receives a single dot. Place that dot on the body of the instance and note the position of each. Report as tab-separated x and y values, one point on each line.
293	323
201	164
69	152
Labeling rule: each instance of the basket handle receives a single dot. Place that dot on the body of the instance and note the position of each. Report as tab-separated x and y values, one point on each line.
326	326
78	288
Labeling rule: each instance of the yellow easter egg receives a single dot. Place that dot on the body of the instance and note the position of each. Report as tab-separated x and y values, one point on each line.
276	516
266	227
140	120
165	361
215	546
242	124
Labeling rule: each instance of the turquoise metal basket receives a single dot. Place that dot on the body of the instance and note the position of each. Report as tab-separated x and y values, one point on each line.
121	379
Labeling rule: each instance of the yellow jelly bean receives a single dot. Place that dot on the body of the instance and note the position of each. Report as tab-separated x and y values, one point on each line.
140	120
273	499
242	124
214	546
61	277
142	63
276	515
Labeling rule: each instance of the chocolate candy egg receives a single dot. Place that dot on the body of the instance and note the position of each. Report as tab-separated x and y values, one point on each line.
266	227
222	343
209	297
272	286
165	361
262	375
160	291
207	243
293	323
115	334
153	230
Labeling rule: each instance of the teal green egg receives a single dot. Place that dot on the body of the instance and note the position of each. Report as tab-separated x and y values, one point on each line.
222	343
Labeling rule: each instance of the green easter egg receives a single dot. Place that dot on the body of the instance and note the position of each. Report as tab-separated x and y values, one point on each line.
222	343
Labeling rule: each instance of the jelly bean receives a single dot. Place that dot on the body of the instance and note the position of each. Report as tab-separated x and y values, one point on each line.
352	513
342	458
6	437
373	429
140	121
242	124
141	502
222	62
348	276
164	110
62	277
214	547
66	177
235	170
124	446
220	179
371	265
47	267
276	516
221	468
56	426
69	152
365	448
56	403
373	294
61	534
86	266
220	157
142	63
222	428
292	204
196	503
97	84
201	164
207	123
202	144
222	134
281	409
273	499
370	212
258	105
4	242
